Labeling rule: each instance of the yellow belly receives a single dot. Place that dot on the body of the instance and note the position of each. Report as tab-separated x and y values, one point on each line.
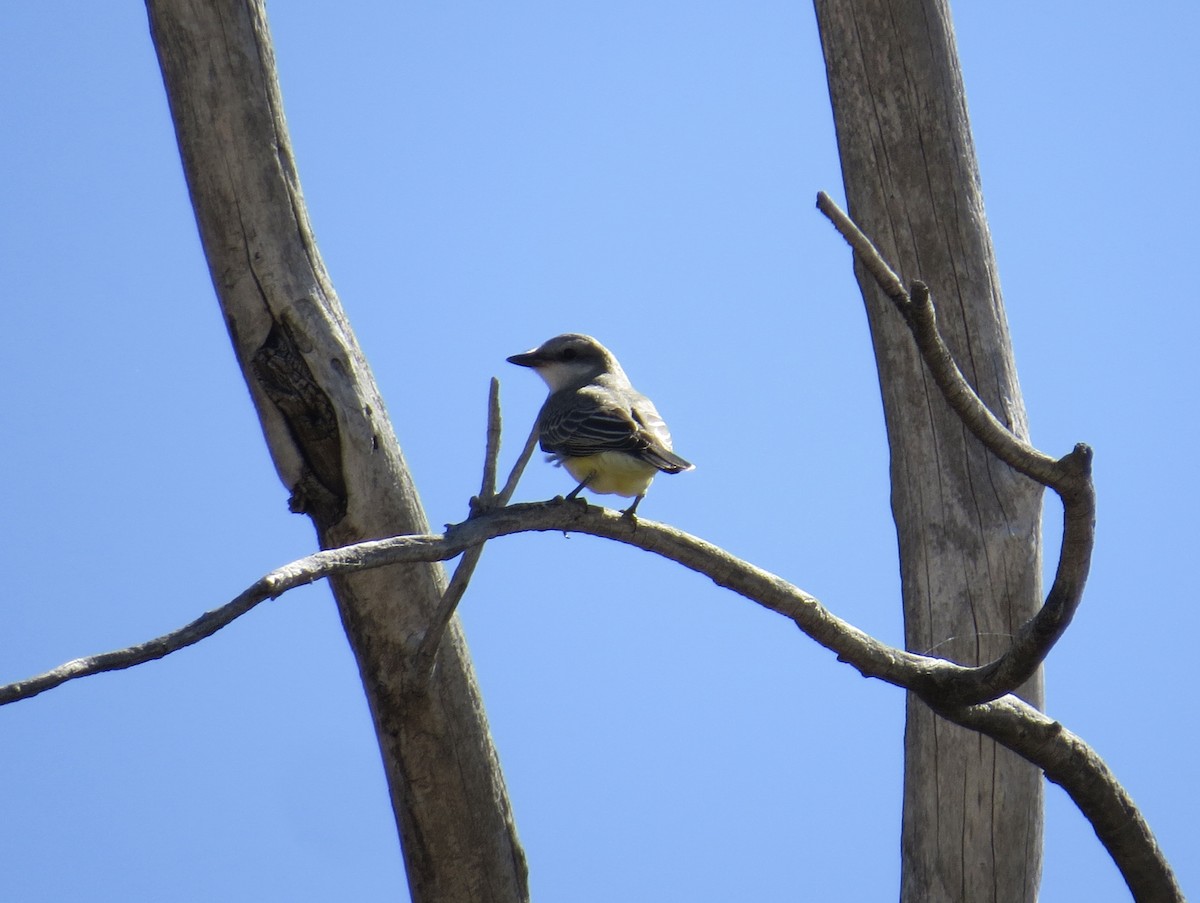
612	473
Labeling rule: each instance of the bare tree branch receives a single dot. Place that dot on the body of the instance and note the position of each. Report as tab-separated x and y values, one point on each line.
1069	477
298	573
1069	762
510	486
1011	449
868	655
427	653
1065	758
491	452
925	675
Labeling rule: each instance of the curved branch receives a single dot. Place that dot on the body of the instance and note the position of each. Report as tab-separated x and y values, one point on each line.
1069	762
918	312
1065	758
1070	477
298	573
925	675
871	657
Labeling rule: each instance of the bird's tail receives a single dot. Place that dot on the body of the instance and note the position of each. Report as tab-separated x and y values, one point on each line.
666	461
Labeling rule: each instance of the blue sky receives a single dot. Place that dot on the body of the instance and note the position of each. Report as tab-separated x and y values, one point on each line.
480	178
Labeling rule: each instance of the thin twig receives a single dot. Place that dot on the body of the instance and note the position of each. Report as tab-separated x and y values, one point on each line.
918	311
307	570
510	485
427	651
867	252
1014	451
491	454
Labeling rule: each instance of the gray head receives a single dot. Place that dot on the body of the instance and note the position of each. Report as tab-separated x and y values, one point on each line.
569	360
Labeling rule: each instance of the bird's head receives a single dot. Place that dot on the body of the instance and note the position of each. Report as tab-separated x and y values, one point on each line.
568	360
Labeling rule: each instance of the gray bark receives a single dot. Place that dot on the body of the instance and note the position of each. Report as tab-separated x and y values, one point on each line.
968	525
333	446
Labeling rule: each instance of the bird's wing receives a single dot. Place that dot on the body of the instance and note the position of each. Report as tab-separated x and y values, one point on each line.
657	437
588	423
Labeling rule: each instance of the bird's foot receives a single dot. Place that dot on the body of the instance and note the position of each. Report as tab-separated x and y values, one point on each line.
629	512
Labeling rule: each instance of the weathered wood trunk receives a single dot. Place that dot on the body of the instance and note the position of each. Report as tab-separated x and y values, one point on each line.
968	526
333	445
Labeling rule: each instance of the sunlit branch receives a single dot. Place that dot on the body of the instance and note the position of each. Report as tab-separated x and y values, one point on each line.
1065	758
427	652
1069	477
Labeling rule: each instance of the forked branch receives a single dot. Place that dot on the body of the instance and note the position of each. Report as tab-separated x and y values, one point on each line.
488	498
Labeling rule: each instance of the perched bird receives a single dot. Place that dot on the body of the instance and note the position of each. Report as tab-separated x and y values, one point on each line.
600	428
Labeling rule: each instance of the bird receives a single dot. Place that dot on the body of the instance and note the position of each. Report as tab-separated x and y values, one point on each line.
606	434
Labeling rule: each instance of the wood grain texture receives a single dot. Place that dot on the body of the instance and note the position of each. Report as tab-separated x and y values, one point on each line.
333	445
968	525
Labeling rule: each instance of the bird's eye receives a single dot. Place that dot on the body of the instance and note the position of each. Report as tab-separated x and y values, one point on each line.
569	354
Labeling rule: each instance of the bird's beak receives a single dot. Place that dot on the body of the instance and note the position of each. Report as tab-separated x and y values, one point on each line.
527	359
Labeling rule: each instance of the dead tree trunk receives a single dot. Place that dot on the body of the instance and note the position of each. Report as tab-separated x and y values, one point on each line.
333	445
968	526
